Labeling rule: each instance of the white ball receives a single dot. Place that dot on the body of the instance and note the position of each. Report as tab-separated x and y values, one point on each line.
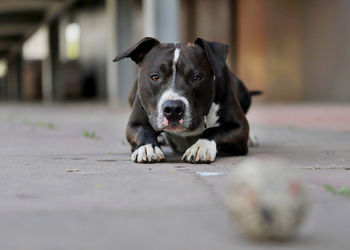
267	198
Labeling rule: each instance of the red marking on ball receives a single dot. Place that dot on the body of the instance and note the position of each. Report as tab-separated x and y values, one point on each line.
294	187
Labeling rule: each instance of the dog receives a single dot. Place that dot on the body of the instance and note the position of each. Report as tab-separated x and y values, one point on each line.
186	92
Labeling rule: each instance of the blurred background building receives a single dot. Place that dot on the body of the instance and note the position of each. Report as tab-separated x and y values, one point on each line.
62	50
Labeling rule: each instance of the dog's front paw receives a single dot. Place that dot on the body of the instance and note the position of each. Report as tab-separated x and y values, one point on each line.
203	151
147	154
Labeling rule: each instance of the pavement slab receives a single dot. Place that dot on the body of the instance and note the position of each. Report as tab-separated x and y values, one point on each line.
63	190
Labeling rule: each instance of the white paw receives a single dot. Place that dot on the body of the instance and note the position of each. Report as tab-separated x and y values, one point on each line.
253	141
147	154
203	151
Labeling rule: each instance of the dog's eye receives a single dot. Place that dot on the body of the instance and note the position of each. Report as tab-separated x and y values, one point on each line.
155	78
196	78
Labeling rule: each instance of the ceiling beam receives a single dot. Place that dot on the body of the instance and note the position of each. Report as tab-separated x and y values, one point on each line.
26	5
17	29
21	18
5	45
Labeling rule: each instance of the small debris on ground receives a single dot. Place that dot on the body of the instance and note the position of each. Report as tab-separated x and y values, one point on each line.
209	173
73	170
313	168
41	124
87	134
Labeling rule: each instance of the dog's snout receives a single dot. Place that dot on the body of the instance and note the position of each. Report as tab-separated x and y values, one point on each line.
174	110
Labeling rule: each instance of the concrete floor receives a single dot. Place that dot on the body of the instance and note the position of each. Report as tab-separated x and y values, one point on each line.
112	203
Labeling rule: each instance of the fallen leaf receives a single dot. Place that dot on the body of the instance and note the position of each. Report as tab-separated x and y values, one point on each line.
329	188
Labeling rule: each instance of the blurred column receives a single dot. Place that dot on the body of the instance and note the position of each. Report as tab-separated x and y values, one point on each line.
14	84
19	69
112	50
53	88
3	88
149	18
120	75
252	43
161	19
46	74
127	69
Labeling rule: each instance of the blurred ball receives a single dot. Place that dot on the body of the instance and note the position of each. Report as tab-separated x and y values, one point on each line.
267	199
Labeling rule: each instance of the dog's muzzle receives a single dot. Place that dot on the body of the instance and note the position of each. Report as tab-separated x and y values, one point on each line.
173	110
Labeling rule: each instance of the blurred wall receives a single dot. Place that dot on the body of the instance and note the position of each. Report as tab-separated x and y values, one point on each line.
326	50
269	47
87	74
93	50
211	20
295	50
32	82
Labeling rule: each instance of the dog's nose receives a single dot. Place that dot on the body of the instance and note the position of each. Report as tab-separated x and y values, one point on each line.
173	110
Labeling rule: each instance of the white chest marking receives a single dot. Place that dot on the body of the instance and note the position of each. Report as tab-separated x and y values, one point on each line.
211	120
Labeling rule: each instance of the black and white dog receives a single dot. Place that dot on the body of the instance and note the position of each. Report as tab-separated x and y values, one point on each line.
187	91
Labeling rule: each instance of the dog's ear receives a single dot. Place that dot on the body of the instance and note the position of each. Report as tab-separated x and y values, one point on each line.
216	54
139	50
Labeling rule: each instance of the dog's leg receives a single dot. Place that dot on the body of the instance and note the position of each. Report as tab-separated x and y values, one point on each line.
142	137
202	151
162	140
144	144
147	154
228	139
231	136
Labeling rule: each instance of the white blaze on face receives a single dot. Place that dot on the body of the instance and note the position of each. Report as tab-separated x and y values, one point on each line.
176	58
171	94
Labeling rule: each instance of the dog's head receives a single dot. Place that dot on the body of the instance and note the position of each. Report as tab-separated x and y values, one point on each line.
176	82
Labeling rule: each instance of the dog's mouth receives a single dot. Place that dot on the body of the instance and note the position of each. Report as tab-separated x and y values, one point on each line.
170	126
174	128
